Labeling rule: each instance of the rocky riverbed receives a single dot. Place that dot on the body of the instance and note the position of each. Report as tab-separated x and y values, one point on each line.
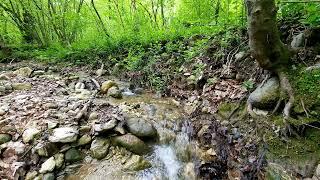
74	124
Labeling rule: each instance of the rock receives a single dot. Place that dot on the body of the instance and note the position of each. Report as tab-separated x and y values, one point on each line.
79	86
48	176
52	125
4	77
5	138
29	134
18	147
48	165
64	135
141	128
59	160
38	73
106	86
2	112
318	171
24	72
99	148
131	143
93	116
298	41
239	56
47	149
21	86
267	95
73	155
31	175
84	130
85	139
137	163
114	92
189	172
105	126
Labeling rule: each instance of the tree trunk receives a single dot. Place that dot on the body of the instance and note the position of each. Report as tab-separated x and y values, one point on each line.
267	48
264	39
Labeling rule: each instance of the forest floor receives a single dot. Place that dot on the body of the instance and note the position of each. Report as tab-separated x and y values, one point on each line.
211	89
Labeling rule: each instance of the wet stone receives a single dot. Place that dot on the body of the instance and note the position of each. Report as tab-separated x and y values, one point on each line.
99	148
141	128
73	155
131	143
5	138
48	165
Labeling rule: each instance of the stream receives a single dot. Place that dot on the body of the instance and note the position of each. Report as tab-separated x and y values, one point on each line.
171	156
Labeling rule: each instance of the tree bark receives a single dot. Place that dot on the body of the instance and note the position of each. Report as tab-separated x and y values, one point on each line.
267	48
264	39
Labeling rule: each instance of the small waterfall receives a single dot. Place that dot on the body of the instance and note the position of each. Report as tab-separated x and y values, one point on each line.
169	159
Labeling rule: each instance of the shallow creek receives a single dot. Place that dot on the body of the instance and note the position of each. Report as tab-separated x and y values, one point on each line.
171	156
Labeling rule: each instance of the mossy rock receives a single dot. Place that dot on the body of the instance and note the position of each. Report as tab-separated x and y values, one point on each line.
73	155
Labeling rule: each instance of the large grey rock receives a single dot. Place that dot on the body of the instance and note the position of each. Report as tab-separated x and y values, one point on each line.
99	148
73	155
29	134
24	72
103	127
48	165
106	86
298	41
85	139
114	92
141	127
131	143
64	135
266	95
5	138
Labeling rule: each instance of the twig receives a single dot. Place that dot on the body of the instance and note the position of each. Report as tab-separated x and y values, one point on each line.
304	108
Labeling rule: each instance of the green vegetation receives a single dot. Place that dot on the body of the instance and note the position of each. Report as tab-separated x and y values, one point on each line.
76	30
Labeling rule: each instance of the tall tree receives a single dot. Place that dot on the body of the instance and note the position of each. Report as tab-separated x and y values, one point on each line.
266	46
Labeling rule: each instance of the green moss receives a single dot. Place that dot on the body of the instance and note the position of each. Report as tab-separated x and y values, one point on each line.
306	86
296	150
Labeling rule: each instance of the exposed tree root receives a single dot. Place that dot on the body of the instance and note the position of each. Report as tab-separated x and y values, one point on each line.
286	89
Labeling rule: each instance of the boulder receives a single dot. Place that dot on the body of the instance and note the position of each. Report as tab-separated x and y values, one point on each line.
99	148
267	95
104	127
131	143
85	139
48	165
29	134
64	135
73	155
21	86
24	72
114	92
141	127
137	163
5	138
106	86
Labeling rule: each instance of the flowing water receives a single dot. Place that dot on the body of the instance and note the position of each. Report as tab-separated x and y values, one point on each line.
171	156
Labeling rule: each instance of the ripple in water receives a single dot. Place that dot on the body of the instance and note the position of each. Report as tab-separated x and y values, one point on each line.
166	164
